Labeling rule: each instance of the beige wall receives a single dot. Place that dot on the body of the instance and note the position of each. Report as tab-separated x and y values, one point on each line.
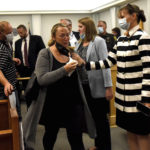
49	20
143	4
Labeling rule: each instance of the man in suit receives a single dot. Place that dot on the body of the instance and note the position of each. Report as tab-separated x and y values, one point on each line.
109	38
74	36
27	49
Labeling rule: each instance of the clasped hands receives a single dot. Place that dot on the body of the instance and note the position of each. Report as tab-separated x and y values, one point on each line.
78	59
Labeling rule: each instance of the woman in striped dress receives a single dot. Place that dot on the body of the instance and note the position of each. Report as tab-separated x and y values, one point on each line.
132	56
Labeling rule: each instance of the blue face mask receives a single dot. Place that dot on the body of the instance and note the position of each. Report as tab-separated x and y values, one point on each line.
124	24
82	36
100	29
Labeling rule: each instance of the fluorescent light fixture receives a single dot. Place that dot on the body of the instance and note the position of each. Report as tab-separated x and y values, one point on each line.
49	5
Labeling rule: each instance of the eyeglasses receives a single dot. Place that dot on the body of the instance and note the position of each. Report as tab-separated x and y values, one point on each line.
63	36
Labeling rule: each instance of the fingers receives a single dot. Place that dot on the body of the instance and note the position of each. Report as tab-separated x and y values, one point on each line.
70	66
147	104
8	89
109	97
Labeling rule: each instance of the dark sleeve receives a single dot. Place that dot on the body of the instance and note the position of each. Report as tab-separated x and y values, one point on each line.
41	44
112	41
16	51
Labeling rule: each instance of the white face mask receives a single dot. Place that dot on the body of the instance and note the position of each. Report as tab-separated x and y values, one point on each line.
9	37
100	29
124	24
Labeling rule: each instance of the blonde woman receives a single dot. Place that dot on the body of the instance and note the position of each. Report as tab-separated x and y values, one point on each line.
61	101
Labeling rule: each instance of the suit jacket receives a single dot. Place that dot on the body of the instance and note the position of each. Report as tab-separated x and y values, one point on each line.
35	45
76	34
98	79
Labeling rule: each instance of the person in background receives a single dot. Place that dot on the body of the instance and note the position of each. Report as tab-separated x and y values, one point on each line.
132	56
97	85
27	49
62	103
109	38
116	32
74	36
7	65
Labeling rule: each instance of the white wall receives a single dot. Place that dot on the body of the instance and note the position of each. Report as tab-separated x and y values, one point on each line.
143	4
106	17
49	20
16	20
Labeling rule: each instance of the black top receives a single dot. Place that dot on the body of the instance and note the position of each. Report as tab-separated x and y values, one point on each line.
62	97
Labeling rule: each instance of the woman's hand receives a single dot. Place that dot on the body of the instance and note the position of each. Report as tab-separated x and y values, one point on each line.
78	58
147	104
69	67
109	93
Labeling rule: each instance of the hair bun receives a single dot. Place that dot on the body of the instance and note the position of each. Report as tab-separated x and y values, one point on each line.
142	16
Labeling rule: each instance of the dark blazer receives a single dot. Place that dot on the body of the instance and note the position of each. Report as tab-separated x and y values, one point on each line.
76	34
35	45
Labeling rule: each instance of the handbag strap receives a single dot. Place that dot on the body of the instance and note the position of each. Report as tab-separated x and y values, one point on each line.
51	59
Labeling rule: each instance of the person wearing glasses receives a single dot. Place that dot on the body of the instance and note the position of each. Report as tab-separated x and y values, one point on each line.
61	101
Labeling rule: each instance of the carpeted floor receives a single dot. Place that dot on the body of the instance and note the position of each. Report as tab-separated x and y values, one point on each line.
118	137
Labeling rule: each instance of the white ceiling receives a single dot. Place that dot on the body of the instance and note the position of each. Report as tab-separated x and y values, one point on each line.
40	5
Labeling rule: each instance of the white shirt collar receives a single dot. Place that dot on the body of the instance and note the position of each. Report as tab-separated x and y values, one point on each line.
133	30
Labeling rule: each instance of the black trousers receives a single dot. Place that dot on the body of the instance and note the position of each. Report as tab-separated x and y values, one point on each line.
21	85
49	138
99	108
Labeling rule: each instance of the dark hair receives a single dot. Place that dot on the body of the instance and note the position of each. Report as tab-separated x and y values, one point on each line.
22	26
117	30
134	9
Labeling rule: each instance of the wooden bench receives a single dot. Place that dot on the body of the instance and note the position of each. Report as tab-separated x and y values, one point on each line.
9	127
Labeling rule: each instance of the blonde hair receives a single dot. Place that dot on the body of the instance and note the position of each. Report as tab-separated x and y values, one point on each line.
51	42
90	28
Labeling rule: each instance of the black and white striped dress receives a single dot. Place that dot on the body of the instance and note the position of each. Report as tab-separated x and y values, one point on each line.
7	66
132	56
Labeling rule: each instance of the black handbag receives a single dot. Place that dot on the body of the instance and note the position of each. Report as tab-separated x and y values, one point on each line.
142	108
32	89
